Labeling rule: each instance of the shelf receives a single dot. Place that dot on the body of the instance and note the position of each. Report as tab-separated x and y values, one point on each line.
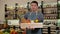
50	15
47	32
53	30
49	7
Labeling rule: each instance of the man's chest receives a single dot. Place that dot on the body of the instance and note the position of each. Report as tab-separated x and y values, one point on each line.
33	16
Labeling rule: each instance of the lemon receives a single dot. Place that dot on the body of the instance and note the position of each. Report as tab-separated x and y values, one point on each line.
36	20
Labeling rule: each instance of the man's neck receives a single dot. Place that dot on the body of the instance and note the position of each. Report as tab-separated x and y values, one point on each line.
34	11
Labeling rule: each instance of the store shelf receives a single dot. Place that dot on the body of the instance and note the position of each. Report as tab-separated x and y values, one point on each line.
49	7
47	33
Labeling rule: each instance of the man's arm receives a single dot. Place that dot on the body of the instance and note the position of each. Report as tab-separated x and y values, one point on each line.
41	17
26	16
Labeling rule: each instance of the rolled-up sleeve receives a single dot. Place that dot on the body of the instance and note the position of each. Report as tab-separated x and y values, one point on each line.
26	16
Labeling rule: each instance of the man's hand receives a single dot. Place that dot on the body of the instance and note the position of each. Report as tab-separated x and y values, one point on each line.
24	29
30	28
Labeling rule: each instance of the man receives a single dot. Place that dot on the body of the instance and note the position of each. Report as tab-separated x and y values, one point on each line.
34	14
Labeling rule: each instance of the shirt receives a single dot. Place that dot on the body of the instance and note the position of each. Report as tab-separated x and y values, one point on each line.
34	15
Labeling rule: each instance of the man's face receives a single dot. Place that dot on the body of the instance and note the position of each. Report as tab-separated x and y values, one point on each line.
34	6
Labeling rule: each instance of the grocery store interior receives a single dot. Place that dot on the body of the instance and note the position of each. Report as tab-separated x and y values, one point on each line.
12	12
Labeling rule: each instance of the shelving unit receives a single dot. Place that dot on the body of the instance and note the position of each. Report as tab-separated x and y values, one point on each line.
50	18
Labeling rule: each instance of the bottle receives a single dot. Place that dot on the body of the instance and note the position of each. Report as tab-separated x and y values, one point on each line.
55	17
15	16
48	17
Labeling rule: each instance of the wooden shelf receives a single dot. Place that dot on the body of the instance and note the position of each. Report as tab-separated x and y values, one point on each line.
49	7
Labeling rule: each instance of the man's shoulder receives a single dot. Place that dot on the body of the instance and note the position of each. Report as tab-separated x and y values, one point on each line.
27	13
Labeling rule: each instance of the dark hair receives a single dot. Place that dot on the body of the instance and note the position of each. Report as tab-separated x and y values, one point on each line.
35	2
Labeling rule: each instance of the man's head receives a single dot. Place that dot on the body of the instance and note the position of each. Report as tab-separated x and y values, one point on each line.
34	5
